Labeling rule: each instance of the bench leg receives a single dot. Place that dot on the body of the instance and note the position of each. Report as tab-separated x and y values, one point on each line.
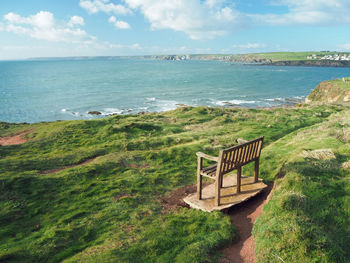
239	174
217	191
199	178
256	171
199	187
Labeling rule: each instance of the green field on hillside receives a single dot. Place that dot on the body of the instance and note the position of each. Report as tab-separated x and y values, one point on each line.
290	56
342	83
109	210
273	56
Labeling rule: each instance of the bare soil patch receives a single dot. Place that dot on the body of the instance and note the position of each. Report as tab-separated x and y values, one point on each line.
118	197
15	139
69	166
243	217
175	199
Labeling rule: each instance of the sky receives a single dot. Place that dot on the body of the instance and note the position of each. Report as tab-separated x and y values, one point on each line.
60	28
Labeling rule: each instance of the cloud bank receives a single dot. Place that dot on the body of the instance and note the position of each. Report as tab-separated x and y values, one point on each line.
43	26
309	12
208	19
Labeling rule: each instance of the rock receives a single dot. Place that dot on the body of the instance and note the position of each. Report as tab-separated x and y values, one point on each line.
319	154
181	105
94	113
346	165
241	141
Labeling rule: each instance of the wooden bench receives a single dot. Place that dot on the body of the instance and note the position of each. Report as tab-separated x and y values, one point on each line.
228	160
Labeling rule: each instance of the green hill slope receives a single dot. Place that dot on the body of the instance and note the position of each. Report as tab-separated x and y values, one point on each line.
108	210
332	91
308	217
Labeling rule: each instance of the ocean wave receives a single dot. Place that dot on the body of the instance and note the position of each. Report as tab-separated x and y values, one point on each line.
299	97
233	102
73	113
111	111
276	99
161	104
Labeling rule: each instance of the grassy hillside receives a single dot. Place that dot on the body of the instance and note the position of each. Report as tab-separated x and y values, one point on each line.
280	58
109	210
291	56
308	217
332	91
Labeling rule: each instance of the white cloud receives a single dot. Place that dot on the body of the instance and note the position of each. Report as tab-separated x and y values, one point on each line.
195	18
43	19
207	19
43	26
309	12
118	23
95	6
76	20
249	46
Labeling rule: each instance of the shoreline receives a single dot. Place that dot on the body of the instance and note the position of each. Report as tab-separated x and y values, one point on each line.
100	116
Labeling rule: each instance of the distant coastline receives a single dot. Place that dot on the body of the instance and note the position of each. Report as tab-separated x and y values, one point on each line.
304	59
310	63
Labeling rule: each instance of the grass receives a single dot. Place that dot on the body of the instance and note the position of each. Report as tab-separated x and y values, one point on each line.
108	210
307	219
345	85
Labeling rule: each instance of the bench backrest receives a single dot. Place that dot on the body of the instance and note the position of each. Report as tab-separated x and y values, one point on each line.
237	156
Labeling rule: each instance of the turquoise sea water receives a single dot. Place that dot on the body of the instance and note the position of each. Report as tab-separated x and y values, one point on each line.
32	91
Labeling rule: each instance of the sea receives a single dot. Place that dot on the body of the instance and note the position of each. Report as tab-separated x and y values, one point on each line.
68	89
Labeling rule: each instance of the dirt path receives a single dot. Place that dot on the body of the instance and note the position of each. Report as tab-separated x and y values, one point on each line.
15	139
243	217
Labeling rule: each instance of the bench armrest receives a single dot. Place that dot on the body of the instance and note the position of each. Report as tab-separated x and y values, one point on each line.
206	156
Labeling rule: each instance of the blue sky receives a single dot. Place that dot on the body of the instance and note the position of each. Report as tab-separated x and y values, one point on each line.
46	28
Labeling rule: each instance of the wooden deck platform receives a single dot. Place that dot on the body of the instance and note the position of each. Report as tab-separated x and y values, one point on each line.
229	197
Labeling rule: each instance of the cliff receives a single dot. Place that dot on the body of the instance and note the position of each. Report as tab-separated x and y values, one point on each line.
333	91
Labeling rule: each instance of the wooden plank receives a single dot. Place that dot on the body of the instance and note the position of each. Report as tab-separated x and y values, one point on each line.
229	197
232	160
224	160
245	160
252	157
239	157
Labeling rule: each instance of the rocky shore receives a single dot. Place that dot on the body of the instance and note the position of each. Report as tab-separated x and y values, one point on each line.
310	63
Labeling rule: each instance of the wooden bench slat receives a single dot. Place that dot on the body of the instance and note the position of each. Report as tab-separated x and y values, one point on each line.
253	151
209	171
